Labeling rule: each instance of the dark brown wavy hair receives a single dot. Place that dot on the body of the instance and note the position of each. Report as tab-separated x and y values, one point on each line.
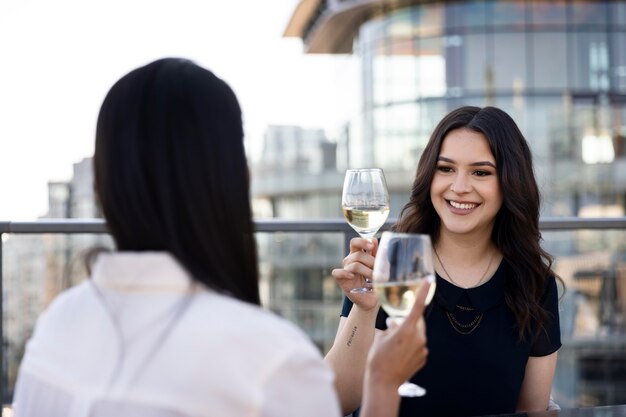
516	230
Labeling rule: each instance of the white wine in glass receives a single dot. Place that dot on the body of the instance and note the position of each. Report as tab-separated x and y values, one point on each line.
403	263
365	204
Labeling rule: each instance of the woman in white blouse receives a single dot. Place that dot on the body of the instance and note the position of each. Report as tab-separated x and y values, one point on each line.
170	324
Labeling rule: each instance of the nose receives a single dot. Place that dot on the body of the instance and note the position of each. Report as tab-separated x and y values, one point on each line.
460	184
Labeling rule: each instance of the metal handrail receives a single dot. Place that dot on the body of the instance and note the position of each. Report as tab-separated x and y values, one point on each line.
282	225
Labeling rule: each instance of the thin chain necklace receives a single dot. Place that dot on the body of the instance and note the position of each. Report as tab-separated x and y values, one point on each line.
464	328
450	276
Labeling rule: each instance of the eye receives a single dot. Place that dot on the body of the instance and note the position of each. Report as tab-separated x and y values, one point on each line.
444	169
481	173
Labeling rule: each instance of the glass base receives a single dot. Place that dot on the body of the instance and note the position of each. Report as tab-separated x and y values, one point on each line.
409	389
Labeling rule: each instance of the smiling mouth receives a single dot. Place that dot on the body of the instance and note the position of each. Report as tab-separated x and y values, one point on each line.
462	206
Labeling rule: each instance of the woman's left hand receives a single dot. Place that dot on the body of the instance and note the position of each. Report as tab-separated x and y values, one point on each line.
395	356
401	351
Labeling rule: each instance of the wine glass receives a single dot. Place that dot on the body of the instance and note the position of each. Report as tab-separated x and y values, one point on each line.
365	205
403	263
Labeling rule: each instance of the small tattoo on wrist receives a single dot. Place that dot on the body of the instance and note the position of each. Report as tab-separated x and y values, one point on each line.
351	336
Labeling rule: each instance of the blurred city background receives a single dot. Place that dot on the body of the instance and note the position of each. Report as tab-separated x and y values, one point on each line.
388	71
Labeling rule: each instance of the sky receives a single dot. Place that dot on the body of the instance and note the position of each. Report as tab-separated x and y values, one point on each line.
59	58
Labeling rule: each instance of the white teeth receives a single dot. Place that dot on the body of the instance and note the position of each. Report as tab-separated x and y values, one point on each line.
462	206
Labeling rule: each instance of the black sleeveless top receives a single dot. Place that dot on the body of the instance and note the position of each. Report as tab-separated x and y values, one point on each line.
476	362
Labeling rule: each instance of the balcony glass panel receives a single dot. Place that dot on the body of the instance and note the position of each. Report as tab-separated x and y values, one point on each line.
295	283
593	311
35	268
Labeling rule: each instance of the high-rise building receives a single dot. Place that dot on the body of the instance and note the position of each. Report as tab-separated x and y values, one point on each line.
559	68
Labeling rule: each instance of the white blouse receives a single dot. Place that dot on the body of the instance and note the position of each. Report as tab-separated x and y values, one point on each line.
137	339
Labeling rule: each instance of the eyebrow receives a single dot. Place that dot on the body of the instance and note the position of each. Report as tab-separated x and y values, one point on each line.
473	164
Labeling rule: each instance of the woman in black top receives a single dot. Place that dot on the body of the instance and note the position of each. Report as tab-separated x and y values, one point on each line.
493	328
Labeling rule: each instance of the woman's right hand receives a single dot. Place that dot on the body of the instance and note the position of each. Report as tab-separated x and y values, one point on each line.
358	265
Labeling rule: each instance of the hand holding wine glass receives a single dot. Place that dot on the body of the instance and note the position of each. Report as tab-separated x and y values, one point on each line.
365	204
404	262
396	354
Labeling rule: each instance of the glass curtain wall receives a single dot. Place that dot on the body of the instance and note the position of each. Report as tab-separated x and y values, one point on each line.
558	67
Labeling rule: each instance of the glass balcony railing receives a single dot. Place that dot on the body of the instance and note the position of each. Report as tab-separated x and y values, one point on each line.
39	259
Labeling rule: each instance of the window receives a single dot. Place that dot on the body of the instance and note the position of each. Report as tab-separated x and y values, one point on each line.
618	61
428	20
431	67
396	147
549	60
509	62
476	64
590	61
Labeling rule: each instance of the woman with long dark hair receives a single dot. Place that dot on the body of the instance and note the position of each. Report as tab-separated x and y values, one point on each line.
493	328
170	323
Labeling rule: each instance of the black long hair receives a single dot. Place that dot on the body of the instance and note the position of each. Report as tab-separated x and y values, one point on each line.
516	230
171	174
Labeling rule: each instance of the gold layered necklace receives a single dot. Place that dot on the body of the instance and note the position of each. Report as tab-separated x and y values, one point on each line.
464	328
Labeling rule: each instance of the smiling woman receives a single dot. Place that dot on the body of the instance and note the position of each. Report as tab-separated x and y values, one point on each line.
494	320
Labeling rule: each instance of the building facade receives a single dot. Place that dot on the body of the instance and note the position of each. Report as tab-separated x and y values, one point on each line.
559	68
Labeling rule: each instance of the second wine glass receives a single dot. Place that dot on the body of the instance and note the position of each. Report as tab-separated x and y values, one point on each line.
365	205
403	263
